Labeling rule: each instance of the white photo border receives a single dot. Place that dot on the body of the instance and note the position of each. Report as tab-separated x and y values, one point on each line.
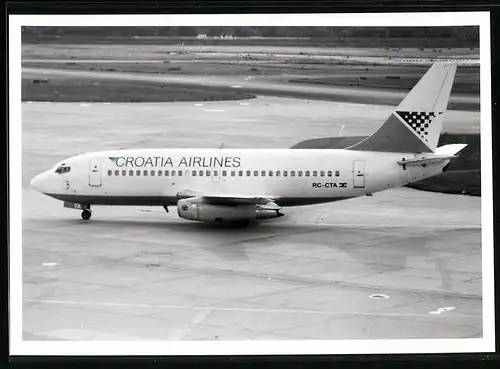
291	347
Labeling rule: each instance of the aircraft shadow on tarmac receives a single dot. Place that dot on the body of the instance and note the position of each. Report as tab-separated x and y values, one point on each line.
226	241
380	250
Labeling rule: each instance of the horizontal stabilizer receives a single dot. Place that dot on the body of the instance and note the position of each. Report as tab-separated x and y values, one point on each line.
451	149
443	153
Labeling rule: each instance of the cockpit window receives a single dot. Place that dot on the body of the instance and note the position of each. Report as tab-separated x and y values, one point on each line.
63	168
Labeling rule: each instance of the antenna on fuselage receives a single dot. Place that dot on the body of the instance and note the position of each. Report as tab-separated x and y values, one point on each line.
221	146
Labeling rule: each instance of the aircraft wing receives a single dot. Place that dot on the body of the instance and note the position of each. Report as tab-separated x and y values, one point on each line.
228	199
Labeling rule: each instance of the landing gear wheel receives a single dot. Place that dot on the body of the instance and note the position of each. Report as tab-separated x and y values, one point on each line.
86	214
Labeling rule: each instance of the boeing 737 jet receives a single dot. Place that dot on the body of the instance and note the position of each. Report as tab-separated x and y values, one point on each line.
241	185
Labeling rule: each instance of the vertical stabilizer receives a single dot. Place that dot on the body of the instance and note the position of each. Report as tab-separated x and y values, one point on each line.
415	125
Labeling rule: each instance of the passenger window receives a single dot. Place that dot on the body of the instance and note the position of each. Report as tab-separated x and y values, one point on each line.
307	173
315	173
193	173
322	173
160	172
166	173
172	173
145	173
337	173
131	173
285	173
207	173
240	173
124	172
224	173
255	173
216	173
292	173
248	173
270	173
329	173
153	173
263	173
233	173
179	173
277	173
138	172
117	172
300	173
201	173
110	172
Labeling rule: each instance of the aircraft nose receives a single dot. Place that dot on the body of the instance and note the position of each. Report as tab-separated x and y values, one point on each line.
39	182
35	182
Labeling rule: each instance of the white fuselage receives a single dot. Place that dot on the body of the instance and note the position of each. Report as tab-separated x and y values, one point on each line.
291	177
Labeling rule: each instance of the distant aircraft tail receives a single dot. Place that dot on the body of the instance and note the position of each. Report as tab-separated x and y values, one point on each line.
415	125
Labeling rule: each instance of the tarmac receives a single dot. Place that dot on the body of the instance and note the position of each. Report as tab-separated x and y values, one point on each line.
400	264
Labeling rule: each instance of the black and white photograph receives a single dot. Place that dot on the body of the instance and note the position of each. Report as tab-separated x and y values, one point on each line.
285	184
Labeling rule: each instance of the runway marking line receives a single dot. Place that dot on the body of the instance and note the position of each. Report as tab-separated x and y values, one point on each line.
49	264
183	331
442	310
253	310
379	296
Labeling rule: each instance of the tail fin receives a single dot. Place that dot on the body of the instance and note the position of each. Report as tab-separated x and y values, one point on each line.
415	125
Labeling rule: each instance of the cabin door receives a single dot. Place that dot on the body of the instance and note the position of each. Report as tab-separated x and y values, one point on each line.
95	173
359	173
216	174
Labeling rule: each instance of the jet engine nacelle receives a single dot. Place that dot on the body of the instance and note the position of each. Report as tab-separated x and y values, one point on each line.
222	213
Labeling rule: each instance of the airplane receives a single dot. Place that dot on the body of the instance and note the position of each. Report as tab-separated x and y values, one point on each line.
244	185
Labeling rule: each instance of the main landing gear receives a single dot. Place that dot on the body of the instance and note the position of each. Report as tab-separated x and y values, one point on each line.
86	213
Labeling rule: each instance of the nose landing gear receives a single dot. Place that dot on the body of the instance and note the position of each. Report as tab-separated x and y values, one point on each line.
86	213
